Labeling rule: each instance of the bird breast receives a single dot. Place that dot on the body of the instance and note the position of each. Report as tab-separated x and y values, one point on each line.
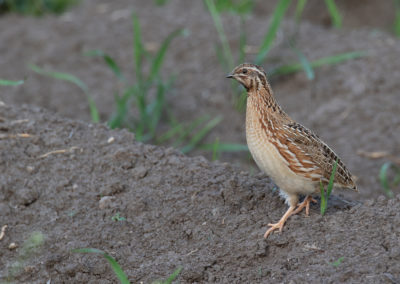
268	158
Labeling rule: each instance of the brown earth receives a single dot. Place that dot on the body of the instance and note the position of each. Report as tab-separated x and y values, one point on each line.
206	217
180	212
353	106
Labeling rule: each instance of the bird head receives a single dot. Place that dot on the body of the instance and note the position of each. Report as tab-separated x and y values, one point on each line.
250	76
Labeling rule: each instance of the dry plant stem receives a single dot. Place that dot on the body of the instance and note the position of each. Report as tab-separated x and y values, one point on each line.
61	151
13	136
3	232
379	155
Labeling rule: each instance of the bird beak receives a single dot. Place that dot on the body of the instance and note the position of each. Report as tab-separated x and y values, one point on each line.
229	76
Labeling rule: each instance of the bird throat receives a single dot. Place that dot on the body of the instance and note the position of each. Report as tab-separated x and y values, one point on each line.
262	99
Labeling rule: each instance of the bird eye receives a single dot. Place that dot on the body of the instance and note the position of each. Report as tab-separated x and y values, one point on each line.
244	71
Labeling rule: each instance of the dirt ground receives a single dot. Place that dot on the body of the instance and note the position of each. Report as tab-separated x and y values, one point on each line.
180	211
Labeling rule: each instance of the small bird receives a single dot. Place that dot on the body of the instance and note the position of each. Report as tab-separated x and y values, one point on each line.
294	157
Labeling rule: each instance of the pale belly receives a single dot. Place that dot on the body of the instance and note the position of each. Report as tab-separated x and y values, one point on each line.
269	160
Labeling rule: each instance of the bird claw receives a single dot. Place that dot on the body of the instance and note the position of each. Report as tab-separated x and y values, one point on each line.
275	226
306	204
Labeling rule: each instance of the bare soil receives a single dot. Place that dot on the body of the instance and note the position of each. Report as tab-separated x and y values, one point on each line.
207	217
180	212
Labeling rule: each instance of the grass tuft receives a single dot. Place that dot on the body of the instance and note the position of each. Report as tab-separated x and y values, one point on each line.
148	93
141	104
117	217
337	262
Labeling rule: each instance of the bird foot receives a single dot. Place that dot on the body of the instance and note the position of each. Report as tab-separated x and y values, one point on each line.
275	226
306	203
281	222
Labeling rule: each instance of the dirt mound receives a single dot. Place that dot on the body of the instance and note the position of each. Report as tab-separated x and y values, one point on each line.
68	179
353	106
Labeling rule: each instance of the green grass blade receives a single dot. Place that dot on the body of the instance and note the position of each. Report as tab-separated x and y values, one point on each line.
331	180
157	107
337	262
187	130
161	2
159	58
334	13
10	82
269	37
242	39
94	113
138	49
175	130
323	198
305	64
201	134
299	10
108	60
157	111
215	149
141	103
173	276
221	57
74	80
60	76
397	19
123	278
325	194
118	119
383	178
221	33
329	60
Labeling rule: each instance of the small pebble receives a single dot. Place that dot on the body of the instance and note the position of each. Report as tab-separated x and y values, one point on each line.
29	169
381	199
12	246
105	202
110	140
369	202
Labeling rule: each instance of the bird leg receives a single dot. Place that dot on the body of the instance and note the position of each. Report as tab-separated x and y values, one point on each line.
281	222
306	204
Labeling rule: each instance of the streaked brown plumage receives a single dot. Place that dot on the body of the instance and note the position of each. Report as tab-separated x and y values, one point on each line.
293	156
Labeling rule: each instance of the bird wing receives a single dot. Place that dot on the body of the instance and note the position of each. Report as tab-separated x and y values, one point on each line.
309	156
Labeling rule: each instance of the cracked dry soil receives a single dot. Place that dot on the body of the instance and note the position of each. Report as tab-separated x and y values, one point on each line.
179	212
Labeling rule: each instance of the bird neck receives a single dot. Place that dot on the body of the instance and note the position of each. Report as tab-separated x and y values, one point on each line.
262	99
